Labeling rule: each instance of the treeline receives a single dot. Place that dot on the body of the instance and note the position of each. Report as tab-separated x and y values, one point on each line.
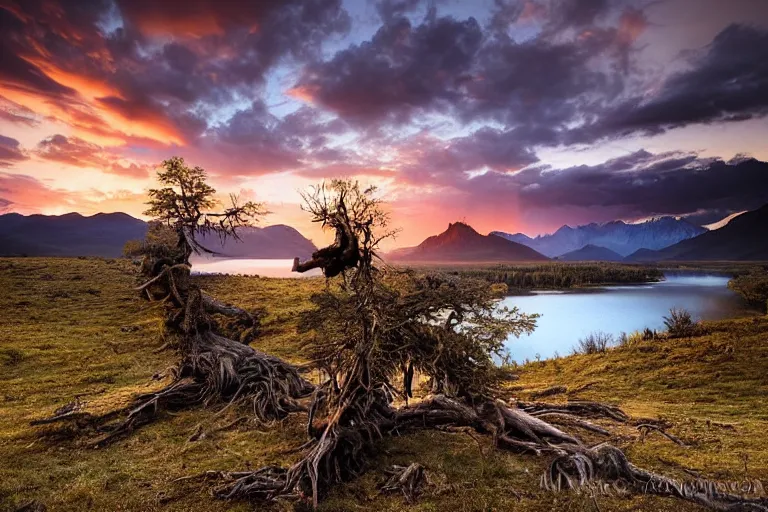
561	275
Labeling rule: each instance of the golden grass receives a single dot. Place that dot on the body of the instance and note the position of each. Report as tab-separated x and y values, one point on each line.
74	327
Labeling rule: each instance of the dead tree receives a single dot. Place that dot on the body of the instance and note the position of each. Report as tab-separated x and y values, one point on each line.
212	368
381	326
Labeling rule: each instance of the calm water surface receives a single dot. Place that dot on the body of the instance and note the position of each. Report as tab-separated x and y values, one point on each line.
265	268
568	316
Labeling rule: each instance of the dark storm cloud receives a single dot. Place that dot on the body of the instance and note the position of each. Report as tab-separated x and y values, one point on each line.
401	71
10	151
638	185
728	82
163	63
456	67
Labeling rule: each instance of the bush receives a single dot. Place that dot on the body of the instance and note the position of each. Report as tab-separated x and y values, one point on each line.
679	323
594	343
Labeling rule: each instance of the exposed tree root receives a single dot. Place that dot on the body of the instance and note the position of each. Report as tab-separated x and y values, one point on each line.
338	454
608	464
215	370
406	479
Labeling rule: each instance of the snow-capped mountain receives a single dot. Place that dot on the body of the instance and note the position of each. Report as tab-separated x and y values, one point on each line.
618	236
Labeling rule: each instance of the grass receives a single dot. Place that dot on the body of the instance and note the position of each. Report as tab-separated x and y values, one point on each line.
74	327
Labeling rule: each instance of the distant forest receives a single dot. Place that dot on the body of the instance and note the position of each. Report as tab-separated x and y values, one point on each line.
561	275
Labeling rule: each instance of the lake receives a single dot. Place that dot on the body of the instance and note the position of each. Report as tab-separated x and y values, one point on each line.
249	267
567	316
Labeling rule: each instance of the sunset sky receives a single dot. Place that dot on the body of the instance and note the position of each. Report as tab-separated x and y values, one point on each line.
510	115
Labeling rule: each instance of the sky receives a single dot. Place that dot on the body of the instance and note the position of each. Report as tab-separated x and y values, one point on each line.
510	115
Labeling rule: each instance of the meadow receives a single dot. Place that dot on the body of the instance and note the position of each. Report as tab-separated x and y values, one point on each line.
76	328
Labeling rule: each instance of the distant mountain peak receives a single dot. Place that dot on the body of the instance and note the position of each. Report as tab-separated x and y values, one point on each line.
740	239
591	252
618	236
461	242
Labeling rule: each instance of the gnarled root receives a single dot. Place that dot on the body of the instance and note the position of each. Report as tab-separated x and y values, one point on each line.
214	370
607	464
239	324
406	479
339	454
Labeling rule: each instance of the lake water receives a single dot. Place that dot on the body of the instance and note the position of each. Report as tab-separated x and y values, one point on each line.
264	268
568	316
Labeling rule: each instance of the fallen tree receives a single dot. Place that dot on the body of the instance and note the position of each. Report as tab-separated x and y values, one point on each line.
385	324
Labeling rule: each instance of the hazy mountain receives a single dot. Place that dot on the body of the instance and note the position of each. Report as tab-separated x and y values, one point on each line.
271	242
618	236
591	253
462	243
742	238
103	234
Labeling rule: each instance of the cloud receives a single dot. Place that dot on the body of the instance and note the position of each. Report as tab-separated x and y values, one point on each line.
401	71
18	114
161	68
10	152
728	81
79	153
635	186
26	194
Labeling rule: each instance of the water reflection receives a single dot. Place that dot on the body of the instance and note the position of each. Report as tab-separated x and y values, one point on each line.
249	267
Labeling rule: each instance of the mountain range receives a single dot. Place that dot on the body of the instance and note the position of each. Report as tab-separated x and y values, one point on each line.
105	234
72	234
618	236
743	238
271	242
461	243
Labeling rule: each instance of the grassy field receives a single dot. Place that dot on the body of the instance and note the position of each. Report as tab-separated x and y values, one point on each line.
74	327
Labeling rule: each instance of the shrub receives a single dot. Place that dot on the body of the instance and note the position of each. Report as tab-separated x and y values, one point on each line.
594	343
679	323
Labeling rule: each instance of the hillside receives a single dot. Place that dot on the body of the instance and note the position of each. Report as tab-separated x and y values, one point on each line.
272	242
617	236
461	243
98	339
591	253
72	234
105	234
742	239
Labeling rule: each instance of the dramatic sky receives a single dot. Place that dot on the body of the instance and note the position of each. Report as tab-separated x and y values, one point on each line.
516	115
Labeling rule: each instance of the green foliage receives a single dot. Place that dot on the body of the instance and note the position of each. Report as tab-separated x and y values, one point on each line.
753	287
186	202
449	329
561	275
